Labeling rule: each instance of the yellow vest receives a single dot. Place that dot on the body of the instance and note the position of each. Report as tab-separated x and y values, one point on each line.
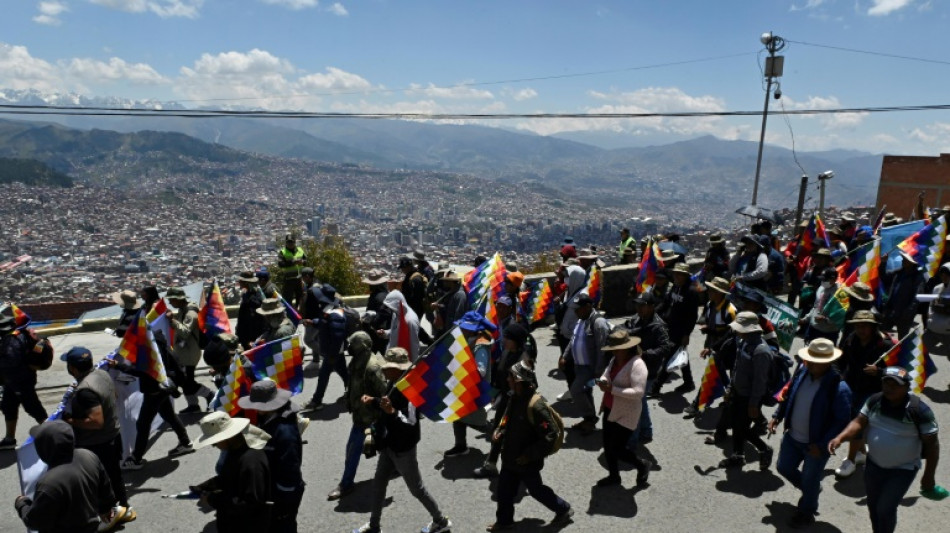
294	270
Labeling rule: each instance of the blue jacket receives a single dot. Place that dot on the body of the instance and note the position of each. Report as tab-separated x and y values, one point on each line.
332	333
830	410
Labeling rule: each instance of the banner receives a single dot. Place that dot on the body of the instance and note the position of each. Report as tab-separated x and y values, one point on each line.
783	316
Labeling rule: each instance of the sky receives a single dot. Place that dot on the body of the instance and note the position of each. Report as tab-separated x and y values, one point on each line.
534	56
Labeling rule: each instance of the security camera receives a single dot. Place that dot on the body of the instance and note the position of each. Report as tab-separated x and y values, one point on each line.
826	175
766	38
778	93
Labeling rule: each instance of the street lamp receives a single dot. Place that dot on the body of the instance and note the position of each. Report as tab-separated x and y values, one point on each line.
773	69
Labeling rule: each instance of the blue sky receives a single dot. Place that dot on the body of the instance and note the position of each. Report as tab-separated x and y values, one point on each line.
411	56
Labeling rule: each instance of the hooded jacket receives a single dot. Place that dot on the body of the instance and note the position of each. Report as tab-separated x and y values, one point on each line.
75	490
365	378
396	303
185	324
575	284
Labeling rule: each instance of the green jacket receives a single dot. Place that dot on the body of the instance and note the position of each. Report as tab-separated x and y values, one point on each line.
521	438
366	377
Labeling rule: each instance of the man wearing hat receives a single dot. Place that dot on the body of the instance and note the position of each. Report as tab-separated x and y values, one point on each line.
331	333
277	325
451	306
717	257
92	413
751	264
250	325
584	350
396	435
576	280
309	287
900	306
747	390
218	354
627	243
267	286
414	290
861	365
74	494
366	378
656	348
680	318
184	321
901	429
377	281
816	323
290	260
526	440
19	381
241	492
718	313
277	416
819	261
129	303
816	408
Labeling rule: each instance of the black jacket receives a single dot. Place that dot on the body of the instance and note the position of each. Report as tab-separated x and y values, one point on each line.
284	450
654	341
399	431
241	491
250	325
682	312
414	289
856	356
521	438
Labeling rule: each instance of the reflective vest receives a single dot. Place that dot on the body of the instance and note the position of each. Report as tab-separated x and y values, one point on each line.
292	271
629	243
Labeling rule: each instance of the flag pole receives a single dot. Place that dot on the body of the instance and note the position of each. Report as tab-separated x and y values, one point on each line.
896	346
422	355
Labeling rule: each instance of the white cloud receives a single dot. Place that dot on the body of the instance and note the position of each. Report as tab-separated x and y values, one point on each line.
334	79
809	4
521	95
457	92
162	8
49	12
20	70
833	121
293	4
338	9
881	8
115	69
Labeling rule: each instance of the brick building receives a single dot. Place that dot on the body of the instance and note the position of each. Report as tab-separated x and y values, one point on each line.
904	177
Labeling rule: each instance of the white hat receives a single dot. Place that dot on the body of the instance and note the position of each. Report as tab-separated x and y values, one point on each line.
219	426
820	350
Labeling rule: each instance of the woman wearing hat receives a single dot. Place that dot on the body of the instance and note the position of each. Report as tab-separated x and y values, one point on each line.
624	386
816	408
478	335
861	365
241	491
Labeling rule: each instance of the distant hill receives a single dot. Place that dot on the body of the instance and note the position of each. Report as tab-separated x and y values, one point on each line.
31	172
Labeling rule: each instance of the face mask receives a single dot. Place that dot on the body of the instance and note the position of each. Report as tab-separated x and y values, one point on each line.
826	284
275	322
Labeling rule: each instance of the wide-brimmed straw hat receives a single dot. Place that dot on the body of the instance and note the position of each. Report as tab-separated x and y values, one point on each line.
746	322
396	358
681	268
270	306
247	277
820	350
860	291
908	257
218	427
176	293
375	277
620	339
863	317
718	285
265	395
451	275
126	299
716	238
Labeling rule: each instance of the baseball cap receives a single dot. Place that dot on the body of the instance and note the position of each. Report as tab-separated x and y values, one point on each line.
77	354
896	373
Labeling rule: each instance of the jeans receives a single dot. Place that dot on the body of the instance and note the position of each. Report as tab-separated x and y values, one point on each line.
153	404
408	467
354	448
581	395
885	488
615	446
509	481
792	455
330	364
645	425
110	455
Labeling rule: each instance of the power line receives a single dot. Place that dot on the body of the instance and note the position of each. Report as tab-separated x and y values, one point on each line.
481	83
867	52
9	109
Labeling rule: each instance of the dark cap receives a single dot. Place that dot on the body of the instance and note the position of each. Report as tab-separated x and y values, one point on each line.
583	299
896	373
306	271
517	333
645	298
77	355
405	262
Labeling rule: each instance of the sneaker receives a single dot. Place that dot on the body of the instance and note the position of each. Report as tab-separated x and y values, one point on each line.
643	474
846	469
129	516
440	526
565	396
801	520
613	479
860	458
685	387
339	492
115	514
456	451
191	409
181	449
733	461
314	406
366	528
132	463
485	471
8	444
500	527
562	518
765	458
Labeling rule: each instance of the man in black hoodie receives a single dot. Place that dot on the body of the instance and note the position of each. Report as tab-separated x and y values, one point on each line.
74	493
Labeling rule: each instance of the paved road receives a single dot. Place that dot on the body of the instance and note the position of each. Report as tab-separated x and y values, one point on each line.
687	491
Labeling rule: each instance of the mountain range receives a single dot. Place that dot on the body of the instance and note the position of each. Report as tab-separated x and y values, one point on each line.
700	170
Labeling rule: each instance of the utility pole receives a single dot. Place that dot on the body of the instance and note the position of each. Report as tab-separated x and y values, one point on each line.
822	178
801	201
773	69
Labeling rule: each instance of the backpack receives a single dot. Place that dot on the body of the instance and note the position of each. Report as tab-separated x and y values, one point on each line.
913	411
558	421
352	319
779	375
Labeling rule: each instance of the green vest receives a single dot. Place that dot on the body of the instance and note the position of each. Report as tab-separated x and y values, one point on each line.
292	271
626	244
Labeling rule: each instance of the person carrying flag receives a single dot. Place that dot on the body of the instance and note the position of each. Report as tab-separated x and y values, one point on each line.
717	314
19	381
250	325
901	429
278	325
395	436
478	335
900	306
404	330
184	321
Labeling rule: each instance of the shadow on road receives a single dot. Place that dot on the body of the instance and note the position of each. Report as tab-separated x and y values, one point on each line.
461	466
360	501
781	512
612	501
937	396
749	483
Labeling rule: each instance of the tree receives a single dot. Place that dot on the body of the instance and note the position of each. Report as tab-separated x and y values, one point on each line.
331	263
548	261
